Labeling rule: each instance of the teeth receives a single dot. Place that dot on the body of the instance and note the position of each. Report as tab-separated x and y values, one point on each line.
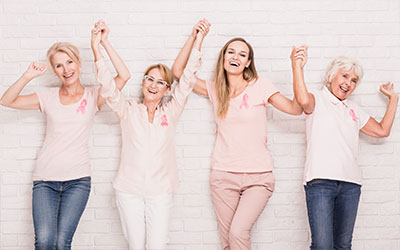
69	75
344	89
152	92
234	64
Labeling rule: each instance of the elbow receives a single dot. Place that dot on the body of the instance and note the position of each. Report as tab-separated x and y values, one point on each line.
303	102
126	77
4	103
382	133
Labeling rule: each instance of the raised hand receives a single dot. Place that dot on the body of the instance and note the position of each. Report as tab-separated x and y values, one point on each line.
95	39
299	56
201	27
34	70
388	89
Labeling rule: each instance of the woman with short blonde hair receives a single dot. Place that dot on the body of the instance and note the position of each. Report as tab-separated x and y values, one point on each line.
61	177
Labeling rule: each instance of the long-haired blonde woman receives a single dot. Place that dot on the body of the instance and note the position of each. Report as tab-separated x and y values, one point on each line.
241	178
61	177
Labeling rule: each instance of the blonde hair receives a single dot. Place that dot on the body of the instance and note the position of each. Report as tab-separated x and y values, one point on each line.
221	81
164	71
342	63
65	47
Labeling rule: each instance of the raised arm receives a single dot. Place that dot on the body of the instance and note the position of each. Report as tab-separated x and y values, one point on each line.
123	74
305	99
382	129
181	60
12	98
100	36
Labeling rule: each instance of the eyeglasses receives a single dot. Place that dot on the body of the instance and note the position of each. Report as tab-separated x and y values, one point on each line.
149	80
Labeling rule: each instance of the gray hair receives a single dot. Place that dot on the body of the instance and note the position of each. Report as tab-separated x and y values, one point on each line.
342	63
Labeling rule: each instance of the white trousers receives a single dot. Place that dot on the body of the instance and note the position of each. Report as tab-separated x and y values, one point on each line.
144	219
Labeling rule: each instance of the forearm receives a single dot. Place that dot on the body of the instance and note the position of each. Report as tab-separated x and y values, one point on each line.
183	57
123	74
388	118
14	90
97	53
299	86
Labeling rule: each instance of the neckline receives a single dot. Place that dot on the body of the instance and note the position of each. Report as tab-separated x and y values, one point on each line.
71	104
243	91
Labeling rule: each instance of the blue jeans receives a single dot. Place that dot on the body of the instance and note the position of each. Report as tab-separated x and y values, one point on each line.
57	207
332	210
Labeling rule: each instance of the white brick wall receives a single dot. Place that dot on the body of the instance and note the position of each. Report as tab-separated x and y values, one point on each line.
145	32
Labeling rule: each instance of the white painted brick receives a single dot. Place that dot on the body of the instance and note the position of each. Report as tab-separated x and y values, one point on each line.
154	31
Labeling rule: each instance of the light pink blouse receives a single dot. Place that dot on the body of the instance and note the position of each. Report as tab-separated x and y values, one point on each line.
148	161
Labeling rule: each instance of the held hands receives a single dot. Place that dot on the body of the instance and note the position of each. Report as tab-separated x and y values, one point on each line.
388	90
102	27
35	69
299	56
201	29
99	34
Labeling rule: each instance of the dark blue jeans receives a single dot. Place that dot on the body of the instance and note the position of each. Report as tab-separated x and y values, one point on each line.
57	207
332	210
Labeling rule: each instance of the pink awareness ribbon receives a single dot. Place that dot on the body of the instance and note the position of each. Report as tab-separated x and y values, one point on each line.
82	106
353	115
164	121
244	102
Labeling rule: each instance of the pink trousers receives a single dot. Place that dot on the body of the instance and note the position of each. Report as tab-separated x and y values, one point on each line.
239	199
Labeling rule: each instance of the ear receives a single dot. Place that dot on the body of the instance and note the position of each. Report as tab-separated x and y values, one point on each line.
248	63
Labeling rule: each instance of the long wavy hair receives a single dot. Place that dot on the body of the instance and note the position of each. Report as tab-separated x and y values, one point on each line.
221	81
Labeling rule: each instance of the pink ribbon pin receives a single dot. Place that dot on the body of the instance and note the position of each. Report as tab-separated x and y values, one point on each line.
164	121
244	102
353	115
82	106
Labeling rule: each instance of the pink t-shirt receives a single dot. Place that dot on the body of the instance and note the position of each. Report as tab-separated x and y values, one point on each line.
241	144
64	154
332	139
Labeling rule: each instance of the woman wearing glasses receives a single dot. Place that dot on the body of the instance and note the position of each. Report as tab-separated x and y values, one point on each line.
148	173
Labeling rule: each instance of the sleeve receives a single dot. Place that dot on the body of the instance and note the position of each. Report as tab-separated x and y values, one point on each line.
43	96
109	91
186	83
210	85
268	89
363	118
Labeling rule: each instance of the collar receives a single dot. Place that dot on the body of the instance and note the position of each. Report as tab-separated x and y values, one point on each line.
331	97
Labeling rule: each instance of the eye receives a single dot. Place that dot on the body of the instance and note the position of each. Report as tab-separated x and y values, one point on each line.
230	52
58	65
243	55
70	61
354	80
161	83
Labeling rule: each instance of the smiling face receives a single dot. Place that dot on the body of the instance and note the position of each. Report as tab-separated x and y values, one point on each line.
236	58
154	86
343	83
65	68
